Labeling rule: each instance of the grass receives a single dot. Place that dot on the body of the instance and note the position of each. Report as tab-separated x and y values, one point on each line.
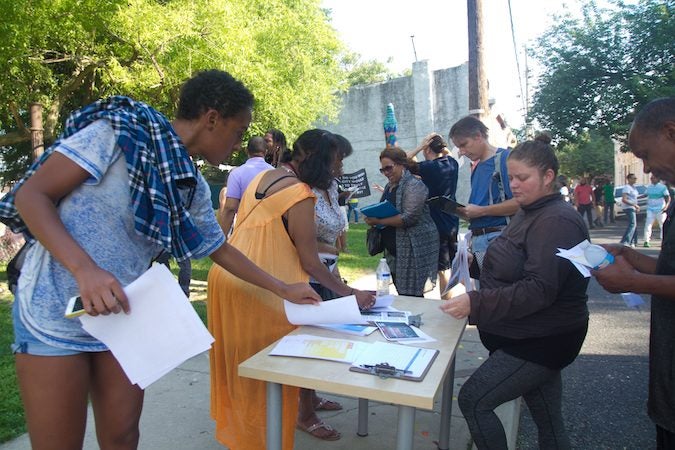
353	265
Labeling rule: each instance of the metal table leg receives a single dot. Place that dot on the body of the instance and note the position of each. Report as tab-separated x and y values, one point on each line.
273	416
406	425
446	407
363	418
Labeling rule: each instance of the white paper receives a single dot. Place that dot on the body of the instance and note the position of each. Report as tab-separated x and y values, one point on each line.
308	346
161	331
383	301
339	310
414	360
576	256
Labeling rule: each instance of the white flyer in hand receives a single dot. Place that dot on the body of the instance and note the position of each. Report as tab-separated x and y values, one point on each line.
161	332
339	310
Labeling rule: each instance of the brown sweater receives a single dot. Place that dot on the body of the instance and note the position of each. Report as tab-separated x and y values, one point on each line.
526	290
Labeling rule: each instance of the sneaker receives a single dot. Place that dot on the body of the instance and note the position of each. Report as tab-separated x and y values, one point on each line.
647	245
632	245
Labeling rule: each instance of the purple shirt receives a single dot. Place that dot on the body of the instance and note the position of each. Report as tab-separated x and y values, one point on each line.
241	177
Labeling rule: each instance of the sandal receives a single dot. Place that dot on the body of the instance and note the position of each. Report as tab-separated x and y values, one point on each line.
327	405
330	434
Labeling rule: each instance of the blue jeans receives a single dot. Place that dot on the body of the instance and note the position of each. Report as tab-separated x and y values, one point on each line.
353	208
630	236
26	342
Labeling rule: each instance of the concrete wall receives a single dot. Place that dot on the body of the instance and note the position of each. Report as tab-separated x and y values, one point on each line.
425	102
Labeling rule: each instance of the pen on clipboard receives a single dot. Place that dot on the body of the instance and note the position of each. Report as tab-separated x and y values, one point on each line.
379	366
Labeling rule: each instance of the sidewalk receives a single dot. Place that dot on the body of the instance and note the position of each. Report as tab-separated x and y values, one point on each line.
176	412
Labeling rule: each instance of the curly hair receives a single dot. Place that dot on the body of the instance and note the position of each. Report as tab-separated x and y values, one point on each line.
315	152
213	89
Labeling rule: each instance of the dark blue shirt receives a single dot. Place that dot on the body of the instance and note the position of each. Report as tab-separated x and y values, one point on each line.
440	177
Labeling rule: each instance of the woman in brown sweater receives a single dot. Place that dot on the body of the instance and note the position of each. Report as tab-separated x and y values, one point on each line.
531	308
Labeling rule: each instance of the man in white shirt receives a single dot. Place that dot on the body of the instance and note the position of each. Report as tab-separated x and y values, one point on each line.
658	199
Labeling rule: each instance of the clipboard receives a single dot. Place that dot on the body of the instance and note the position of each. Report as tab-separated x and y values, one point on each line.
444	204
388	360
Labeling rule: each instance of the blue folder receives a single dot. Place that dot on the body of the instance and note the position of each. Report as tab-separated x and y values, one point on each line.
380	210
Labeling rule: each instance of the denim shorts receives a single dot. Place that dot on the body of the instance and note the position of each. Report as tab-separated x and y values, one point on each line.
26	342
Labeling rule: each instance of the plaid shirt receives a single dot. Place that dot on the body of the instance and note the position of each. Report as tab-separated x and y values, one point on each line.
158	165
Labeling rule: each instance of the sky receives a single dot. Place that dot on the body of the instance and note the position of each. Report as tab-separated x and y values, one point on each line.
378	29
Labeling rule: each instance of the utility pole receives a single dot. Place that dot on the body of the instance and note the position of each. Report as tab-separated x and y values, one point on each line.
36	130
478	95
528	125
412	38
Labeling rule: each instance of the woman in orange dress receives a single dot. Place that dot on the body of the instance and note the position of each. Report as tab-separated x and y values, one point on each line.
275	229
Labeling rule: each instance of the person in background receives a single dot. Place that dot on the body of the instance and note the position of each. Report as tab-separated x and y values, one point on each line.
583	200
608	192
239	179
410	237
342	202
530	310
277	231
629	204
275	141
599	201
658	199
353	207
490	203
564	190
439	173
116	160
652	139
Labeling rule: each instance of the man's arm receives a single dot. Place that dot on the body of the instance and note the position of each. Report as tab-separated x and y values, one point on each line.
226	214
506	208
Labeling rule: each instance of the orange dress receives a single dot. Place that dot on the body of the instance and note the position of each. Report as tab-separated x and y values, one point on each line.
244	319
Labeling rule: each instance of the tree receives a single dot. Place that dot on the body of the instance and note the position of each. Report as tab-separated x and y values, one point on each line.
590	155
365	72
67	53
601	67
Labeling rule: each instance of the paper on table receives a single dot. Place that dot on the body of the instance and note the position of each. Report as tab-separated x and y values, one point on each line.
414	360
339	310
161	332
308	346
383	301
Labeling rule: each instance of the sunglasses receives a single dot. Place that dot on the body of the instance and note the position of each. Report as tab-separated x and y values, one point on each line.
387	169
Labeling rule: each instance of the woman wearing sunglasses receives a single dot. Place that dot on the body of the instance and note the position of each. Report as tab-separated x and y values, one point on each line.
410	237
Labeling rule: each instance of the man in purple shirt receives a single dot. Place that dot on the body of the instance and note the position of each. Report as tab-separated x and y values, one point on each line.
240	178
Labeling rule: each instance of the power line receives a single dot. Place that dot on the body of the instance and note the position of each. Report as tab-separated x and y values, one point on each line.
515	51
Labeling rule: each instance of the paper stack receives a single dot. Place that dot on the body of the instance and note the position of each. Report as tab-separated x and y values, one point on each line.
161	332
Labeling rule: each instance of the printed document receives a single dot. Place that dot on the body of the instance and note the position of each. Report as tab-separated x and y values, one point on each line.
339	310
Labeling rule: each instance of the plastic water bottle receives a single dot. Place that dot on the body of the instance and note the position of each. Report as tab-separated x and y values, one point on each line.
383	275
598	257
